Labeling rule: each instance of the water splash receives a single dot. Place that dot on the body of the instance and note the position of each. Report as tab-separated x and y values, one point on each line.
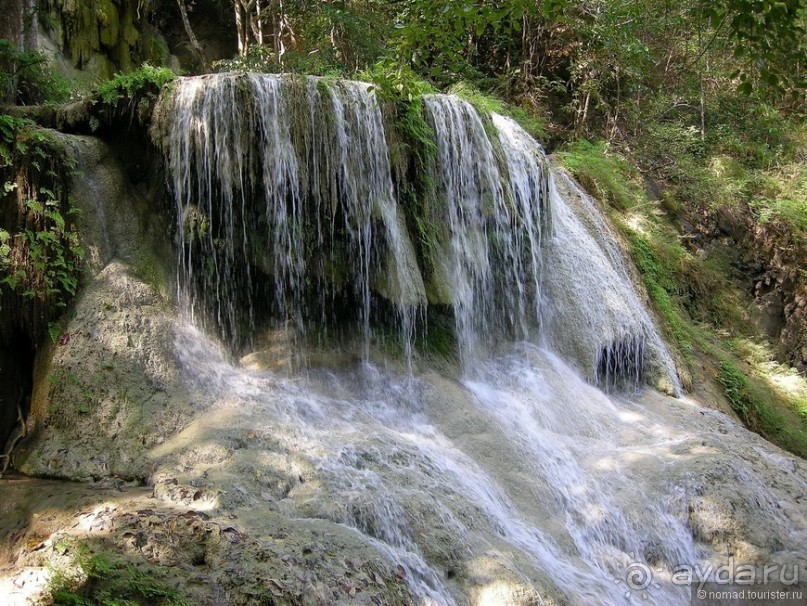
524	473
301	229
493	205
519	475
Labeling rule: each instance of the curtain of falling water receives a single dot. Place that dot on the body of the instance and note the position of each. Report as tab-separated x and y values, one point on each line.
239	165
293	177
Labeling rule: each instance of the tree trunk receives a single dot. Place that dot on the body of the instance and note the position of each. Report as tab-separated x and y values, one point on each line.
11	25
197	48
582	116
243	24
18	25
30	26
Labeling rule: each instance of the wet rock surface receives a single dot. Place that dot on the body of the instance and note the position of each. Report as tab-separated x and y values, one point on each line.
207	555
360	486
110	390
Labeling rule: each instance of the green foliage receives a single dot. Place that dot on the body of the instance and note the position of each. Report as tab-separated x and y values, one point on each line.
754	406
144	83
312	36
395	82
750	154
40	252
736	388
54	251
792	212
535	124
662	288
451	41
770	36
25	78
10	145
603	173
263	59
111	581
418	134
398	86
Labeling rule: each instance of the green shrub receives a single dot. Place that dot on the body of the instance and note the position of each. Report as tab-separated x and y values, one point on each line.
111	581
395	83
40	252
26	80
145	82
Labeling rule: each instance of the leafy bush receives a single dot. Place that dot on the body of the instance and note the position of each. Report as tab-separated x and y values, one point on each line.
40	252
145	82
395	82
25	80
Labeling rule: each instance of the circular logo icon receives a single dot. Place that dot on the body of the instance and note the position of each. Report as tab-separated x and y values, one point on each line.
638	576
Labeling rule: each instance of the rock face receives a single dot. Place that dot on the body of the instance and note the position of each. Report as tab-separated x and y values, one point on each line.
110	390
356	485
90	41
204	556
772	265
114	399
99	363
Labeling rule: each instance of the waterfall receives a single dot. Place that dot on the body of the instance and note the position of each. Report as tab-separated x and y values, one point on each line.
593	312
529	475
287	215
284	177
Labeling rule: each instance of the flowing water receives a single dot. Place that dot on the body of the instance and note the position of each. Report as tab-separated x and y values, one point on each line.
525	474
289	178
518	480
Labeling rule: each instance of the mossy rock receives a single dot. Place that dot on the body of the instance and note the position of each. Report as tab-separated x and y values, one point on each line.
109	22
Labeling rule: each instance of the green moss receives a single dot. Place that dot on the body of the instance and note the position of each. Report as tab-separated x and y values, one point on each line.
418	140
661	286
146	81
439	337
149	269
109	21
155	50
535	124
756	406
325	84
605	174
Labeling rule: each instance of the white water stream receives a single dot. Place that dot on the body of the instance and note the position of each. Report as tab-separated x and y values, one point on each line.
526	475
518	482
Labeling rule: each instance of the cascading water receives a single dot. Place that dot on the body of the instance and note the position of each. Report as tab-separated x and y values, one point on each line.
291	179
521	482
